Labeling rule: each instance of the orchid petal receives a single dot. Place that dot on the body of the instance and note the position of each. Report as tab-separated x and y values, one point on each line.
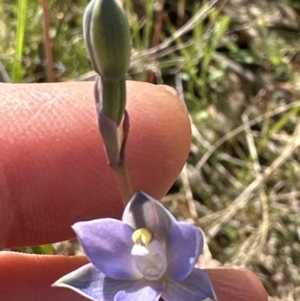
196	287
153	263
184	245
144	211
141	290
93	284
107	243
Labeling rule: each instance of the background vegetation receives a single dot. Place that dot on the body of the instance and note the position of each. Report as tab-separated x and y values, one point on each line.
236	64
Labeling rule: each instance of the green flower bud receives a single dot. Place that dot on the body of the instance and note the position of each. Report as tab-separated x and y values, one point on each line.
111	98
107	35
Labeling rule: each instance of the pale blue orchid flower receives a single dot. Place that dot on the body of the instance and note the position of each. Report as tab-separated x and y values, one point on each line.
146	256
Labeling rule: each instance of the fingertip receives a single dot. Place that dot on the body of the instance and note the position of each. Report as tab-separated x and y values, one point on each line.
30	277
159	112
168	89
237	285
53	164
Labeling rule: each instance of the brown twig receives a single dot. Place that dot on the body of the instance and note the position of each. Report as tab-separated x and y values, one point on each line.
47	42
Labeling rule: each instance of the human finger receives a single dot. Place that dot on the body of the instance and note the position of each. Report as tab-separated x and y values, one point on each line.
29	277
237	285
53	169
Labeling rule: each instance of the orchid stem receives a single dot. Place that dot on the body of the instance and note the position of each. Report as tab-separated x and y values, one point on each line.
114	147
121	174
106	32
121	171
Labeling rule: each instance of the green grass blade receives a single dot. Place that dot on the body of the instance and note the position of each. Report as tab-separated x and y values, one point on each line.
18	70
44	249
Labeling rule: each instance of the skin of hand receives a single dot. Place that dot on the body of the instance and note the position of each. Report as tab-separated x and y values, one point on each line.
53	173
